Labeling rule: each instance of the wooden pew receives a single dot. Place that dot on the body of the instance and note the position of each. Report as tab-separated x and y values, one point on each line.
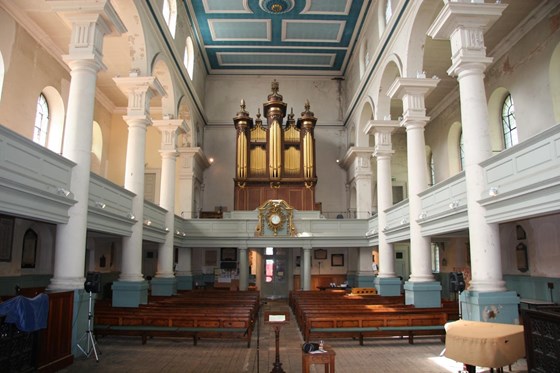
376	325
188	315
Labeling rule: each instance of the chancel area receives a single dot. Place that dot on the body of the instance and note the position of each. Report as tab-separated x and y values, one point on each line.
379	175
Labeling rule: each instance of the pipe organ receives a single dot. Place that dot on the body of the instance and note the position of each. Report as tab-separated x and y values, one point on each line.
275	160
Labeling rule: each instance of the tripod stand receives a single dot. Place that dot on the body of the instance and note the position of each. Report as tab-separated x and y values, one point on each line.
88	337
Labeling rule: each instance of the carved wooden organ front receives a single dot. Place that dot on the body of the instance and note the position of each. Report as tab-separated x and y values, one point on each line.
276	160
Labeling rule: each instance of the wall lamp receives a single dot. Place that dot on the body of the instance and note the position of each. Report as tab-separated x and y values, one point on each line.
131	216
63	192
454	204
100	204
423	215
493	191
147	222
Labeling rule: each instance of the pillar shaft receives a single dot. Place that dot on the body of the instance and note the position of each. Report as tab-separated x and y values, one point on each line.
464	24
89	26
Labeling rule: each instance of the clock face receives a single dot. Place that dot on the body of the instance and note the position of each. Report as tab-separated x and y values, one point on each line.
275	219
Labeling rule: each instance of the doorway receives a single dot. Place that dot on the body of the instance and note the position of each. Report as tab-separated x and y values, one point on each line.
275	269
402	266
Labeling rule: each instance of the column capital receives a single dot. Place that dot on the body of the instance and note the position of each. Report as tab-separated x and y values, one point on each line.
464	25
402	87
358	156
169	129
412	91
90	21
139	89
382	130
77	10
193	158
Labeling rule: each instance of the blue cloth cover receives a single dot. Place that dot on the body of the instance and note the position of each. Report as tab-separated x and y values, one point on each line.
29	314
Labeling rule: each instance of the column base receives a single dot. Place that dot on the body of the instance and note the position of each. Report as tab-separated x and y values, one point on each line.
130	294
388	286
498	307
364	281
164	286
423	294
184	282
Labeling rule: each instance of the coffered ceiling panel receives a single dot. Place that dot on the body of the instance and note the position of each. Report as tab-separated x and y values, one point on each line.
310	37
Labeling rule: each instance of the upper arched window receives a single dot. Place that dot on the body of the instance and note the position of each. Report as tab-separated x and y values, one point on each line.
169	12
41	121
189	57
462	151
388	11
432	170
509	125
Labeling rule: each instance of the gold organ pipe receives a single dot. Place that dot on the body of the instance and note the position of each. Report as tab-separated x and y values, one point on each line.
275	150
308	156
242	156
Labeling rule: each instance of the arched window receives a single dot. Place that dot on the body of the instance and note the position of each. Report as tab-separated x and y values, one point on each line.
432	171
388	11
462	151
29	250
509	125
189	57
41	121
169	12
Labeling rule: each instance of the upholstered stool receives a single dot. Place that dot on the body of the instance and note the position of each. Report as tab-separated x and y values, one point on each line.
326	358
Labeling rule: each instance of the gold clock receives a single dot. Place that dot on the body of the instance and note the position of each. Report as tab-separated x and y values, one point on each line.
275	220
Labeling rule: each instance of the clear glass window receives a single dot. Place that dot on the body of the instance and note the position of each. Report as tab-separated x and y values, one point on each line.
41	121
509	125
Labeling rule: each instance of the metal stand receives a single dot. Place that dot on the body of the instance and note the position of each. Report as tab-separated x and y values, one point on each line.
88	337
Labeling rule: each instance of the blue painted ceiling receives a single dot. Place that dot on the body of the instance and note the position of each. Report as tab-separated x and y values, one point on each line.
314	37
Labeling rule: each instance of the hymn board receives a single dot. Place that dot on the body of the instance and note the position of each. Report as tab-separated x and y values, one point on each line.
275	161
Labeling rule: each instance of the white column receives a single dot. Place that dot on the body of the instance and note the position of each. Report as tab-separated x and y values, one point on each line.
192	163
243	269
382	130
306	268
456	21
412	92
357	163
89	26
139	91
169	130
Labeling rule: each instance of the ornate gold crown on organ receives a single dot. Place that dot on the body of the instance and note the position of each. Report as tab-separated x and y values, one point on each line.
275	160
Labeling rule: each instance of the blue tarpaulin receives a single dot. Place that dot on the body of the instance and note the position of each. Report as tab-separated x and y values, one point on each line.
29	314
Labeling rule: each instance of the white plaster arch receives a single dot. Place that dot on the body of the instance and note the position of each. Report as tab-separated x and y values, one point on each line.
57	113
415	46
453	151
160	69
495	104
96	148
366	114
385	105
183	111
554	78
139	54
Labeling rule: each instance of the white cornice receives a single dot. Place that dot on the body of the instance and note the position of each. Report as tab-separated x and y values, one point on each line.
532	20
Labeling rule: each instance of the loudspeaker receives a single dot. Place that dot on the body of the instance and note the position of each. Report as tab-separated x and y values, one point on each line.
456	282
93	282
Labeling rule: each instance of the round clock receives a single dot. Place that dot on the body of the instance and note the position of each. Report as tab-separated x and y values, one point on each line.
275	219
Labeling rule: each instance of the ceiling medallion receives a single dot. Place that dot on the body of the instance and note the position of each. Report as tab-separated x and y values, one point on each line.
276	6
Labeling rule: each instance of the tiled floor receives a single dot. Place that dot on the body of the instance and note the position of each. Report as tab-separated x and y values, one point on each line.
391	355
